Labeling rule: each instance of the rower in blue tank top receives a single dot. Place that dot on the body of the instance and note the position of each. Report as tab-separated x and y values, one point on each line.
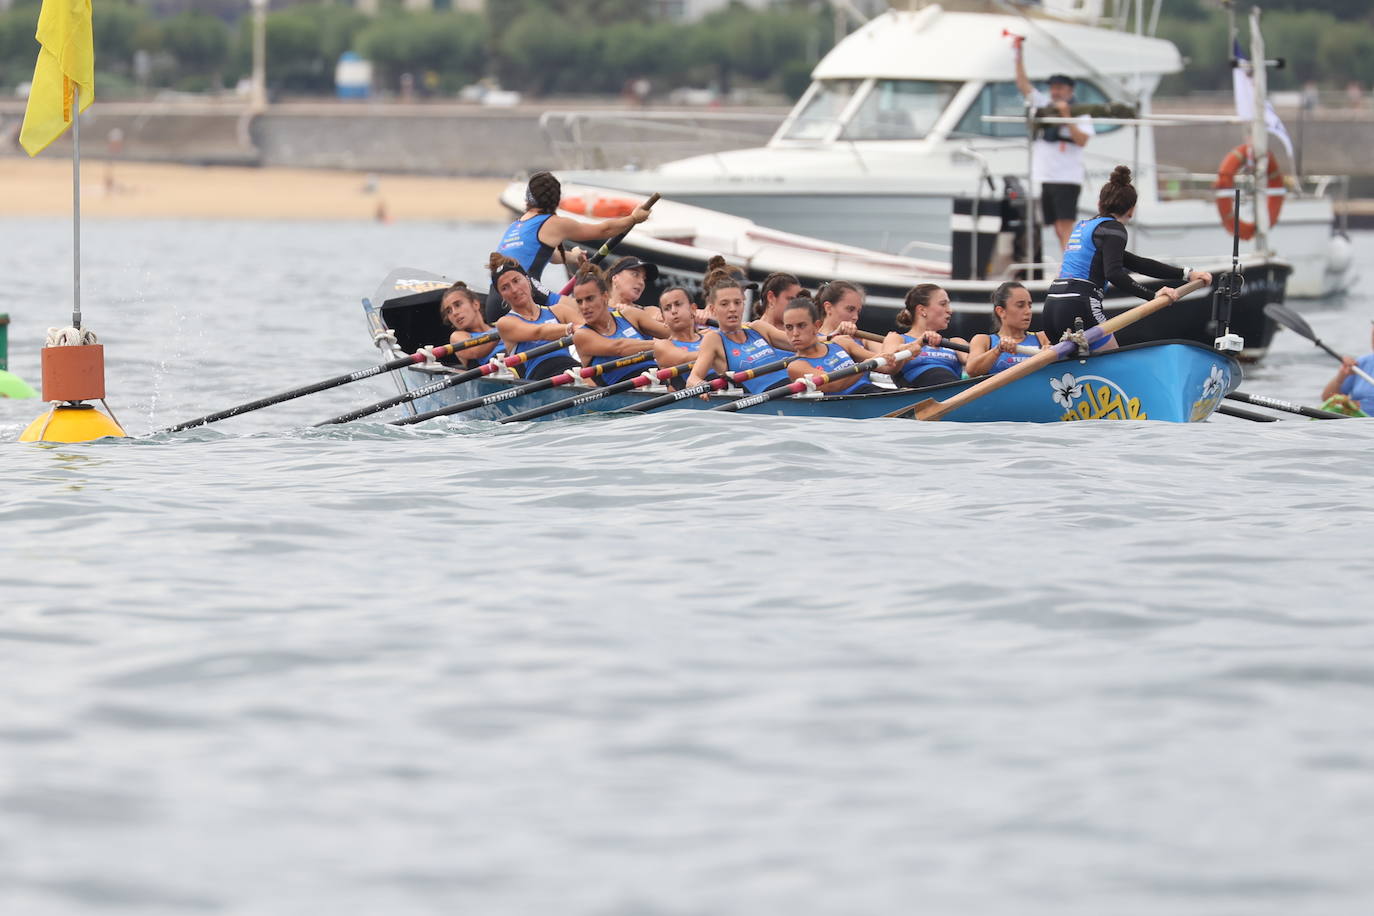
1012	314
529	325
607	335
802	321
534	239
926	316
461	309
736	346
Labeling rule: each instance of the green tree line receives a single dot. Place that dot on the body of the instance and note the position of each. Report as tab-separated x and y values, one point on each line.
546	47
537	46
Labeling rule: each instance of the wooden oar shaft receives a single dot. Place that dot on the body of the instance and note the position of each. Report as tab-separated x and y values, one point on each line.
509	362
629	384
610	244
1260	400
934	410
419	356
563	378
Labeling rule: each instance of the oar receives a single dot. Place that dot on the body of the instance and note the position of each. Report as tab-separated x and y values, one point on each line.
1260	400
1241	413
714	384
815	380
519	391
481	371
629	384
608	246
1296	323
419	356
944	342
931	409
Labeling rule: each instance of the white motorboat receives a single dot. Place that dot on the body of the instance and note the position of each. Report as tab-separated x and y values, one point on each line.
917	108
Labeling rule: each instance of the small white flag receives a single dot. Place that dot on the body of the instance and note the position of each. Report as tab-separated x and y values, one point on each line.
1244	86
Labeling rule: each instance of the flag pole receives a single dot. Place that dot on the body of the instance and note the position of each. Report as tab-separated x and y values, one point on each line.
76	206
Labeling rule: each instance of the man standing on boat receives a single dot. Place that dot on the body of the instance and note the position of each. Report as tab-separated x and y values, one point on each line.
1057	155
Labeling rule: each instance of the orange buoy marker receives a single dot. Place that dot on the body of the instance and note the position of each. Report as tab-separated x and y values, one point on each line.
73	373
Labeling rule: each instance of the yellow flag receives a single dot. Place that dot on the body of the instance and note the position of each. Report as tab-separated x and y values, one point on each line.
66	60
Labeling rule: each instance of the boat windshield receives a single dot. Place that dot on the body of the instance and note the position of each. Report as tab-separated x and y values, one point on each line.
1005	99
899	110
817	119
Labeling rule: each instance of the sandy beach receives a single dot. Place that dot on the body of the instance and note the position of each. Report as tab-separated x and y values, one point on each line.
130	190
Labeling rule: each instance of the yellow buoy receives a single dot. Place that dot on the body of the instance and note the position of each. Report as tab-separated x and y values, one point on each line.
71	423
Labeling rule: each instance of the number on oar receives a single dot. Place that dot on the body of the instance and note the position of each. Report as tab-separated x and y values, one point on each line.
419	356
555	381
931	409
509	362
715	384
1296	323
629	384
1260	400
609	246
814	381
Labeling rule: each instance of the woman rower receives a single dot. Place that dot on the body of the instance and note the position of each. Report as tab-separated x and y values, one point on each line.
1096	254
777	290
684	337
1350	387
737	346
534	239
840	302
989	354
461	310
926	316
802	322
628	278
528	324
607	335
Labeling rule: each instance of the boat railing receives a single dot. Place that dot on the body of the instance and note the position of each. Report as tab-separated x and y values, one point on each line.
613	139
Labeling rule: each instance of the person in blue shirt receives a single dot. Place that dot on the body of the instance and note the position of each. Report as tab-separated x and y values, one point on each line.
461	309
528	324
735	346
926	317
608	334
1347	383
989	354
802	321
533	239
1096	254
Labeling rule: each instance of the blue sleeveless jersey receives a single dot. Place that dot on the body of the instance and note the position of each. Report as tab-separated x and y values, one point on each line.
754	351
1007	360
1080	251
928	358
521	242
623	331
545	317
836	358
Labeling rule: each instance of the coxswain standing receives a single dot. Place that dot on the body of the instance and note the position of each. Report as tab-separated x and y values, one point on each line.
1096	253
989	354
534	238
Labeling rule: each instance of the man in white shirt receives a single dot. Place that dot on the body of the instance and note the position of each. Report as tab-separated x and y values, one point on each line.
1057	156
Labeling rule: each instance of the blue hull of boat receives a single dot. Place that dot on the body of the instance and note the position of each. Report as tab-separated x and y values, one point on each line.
1174	381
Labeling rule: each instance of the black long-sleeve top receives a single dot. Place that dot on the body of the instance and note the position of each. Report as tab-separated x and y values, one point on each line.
1112	262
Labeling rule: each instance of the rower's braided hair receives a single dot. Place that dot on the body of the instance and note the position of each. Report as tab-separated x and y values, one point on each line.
773	284
1117	196
544	192
917	296
590	273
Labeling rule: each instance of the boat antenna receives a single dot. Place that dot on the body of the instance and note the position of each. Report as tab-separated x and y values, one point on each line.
1228	292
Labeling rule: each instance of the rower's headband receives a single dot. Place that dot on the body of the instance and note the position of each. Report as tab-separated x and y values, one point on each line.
504	269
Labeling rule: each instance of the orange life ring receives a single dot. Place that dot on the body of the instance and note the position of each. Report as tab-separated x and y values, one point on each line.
601	207
1236	160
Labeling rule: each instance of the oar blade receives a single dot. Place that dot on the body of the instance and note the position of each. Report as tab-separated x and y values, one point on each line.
1290	319
929	409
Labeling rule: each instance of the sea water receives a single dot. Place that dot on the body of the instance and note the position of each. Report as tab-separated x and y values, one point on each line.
683	663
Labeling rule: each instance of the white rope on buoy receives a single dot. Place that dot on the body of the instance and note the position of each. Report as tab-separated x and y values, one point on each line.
70	337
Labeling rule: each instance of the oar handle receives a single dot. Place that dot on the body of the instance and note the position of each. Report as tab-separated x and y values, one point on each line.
815	380
639	381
